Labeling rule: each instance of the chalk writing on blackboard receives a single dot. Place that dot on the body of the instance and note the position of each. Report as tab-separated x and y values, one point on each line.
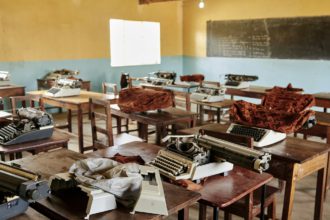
284	38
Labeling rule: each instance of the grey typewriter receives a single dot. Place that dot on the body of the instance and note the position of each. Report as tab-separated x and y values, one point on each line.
183	158
4	78
198	156
209	94
31	124
239	81
159	78
18	188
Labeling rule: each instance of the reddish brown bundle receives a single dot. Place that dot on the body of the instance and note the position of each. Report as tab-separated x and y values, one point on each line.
192	78
141	100
289	88
281	111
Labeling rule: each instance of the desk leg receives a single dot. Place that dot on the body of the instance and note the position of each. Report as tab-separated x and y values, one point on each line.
290	188
320	188
215	213
160	133
218	115
143	131
202	211
201	114
80	130
262	202
327	179
69	119
183	214
118	120
3	157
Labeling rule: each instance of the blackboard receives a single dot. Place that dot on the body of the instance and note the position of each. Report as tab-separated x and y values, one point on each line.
283	38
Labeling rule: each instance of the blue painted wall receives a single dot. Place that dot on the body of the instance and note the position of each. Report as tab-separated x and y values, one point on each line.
95	70
312	75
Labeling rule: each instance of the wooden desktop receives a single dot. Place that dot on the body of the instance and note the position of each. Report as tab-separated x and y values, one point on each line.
292	160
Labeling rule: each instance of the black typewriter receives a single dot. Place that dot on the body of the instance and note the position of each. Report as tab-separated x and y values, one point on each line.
31	124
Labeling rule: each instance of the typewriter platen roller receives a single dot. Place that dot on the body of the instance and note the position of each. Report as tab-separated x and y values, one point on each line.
32	124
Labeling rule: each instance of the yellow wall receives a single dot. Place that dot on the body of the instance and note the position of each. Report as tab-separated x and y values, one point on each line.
77	29
194	19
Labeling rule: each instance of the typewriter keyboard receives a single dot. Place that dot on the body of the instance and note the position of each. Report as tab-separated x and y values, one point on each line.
169	165
54	90
256	133
8	133
232	83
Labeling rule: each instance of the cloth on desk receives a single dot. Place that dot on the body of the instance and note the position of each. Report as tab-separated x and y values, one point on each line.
281	110
192	78
128	159
121	180
141	100
289	88
188	184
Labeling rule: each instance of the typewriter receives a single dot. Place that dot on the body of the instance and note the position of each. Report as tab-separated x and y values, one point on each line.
65	87
31	125
198	156
4	78
183	158
18	188
159	78
238	81
209	94
151	199
261	137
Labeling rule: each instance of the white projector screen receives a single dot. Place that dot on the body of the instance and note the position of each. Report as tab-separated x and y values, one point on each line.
134	42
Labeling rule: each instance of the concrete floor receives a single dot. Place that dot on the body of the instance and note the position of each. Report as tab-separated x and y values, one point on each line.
304	197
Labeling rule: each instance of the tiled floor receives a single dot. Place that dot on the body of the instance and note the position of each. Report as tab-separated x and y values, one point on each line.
304	196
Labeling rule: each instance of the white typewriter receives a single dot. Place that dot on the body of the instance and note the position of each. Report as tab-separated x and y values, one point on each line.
4	78
65	87
238	81
184	159
261	137
98	200
152	197
209	94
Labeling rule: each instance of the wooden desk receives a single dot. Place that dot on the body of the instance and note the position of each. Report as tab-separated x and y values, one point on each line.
322	100
55	162
57	140
292	160
30	214
217	191
74	103
252	92
159	119
218	105
11	90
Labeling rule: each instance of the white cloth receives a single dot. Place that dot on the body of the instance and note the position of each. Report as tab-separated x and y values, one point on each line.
122	180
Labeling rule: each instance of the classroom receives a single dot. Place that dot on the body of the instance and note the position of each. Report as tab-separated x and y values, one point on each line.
183	92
